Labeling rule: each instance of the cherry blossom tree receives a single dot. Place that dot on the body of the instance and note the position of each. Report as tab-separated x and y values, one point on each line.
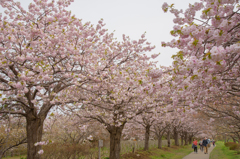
159	129
122	93
146	120
154	121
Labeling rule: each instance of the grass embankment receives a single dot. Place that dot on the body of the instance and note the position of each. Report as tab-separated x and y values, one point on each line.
174	152
223	152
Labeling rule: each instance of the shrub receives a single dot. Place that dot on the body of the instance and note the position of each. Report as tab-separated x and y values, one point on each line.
233	147
228	144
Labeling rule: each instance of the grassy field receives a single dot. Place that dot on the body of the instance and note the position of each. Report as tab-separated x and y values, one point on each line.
174	152
223	152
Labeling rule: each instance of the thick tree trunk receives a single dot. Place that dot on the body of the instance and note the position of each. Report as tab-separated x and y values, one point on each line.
168	139
115	138
176	137
147	134
186	138
34	135
160	142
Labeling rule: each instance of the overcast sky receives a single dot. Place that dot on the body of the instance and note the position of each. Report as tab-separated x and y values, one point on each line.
132	18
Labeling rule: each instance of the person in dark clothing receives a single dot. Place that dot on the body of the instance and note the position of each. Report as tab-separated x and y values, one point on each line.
205	144
213	143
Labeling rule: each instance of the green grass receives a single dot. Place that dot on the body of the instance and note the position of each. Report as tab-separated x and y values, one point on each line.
172	153
223	152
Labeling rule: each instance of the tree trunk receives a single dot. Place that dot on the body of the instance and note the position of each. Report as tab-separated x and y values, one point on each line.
190	139
115	138
34	135
168	139
2	152
147	133
234	140
186	138
181	140
176	137
160	141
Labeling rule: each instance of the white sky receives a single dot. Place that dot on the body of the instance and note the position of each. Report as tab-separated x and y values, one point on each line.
132	18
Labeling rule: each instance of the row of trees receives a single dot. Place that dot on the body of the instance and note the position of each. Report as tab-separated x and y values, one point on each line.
67	136
170	126
51	61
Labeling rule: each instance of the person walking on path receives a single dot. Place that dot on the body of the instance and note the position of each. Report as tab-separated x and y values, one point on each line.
199	155
195	145
209	142
200	144
205	144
